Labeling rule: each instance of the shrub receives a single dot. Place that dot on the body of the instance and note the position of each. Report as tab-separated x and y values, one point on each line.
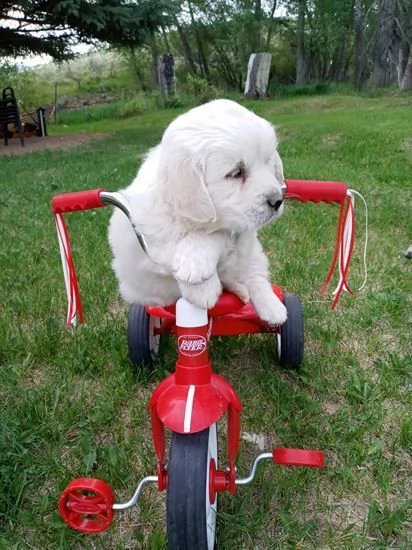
133	107
321	88
201	90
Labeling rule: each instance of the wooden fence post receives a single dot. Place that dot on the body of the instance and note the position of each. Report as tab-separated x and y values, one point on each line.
166	74
258	75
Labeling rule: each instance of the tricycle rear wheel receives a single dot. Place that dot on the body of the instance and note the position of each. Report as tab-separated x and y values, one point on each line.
143	343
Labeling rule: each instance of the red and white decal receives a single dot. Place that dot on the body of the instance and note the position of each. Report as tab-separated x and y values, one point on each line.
189	409
192	344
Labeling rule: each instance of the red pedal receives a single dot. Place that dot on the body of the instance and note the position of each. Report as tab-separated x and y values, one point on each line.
299	457
87	505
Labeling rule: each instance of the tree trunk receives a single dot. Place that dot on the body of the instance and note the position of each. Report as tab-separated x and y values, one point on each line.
258	75
406	82
383	42
166	74
403	54
256	41
270	24
139	73
204	68
155	52
165	40
337	68
202	56
300	51
359	46
186	49
224	65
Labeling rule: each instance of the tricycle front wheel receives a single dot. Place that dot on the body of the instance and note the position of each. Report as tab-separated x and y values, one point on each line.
191	517
290	338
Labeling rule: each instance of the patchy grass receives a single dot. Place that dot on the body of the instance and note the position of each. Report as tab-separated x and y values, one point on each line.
72	405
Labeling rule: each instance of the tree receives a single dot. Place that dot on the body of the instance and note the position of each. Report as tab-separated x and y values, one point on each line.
404	24
405	84
359	45
54	26
383	43
300	50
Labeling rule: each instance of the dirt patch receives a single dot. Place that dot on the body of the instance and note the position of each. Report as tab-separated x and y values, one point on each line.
33	144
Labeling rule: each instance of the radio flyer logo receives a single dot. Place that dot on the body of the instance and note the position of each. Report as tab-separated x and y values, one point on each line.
191	344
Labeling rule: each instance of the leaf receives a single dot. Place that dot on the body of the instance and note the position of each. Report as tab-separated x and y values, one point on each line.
90	460
111	456
376	446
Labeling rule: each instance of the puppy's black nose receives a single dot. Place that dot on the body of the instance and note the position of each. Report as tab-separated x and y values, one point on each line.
275	204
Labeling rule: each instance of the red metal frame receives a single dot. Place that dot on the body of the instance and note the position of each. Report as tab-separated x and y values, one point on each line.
230	317
193	397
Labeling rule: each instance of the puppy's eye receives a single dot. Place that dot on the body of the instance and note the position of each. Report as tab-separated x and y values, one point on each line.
237	173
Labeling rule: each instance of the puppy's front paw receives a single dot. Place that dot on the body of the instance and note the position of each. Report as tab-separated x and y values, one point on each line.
271	310
192	270
204	295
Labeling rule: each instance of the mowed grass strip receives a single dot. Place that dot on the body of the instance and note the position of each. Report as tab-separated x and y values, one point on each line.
71	405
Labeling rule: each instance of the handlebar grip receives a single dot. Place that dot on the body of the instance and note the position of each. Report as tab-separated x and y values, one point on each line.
315	191
72	202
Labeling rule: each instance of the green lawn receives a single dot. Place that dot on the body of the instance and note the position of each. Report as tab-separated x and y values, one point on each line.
71	405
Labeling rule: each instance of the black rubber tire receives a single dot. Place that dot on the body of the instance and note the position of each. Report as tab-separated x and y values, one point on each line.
188	493
140	337
291	335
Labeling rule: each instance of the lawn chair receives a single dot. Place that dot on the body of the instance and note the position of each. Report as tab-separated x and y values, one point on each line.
9	114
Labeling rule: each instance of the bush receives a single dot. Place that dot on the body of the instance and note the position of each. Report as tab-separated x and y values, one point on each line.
201	90
133	107
321	88
30	91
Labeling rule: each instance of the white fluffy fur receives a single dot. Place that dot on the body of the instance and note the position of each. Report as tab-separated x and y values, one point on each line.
200	212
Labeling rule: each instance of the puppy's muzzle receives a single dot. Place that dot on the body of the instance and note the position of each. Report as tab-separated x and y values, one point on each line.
275	200
275	203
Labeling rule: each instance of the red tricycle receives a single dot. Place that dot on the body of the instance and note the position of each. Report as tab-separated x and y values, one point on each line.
191	401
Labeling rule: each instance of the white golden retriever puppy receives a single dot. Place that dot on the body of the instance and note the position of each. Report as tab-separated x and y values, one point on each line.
199	198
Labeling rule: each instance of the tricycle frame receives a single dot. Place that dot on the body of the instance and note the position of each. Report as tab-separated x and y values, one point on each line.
192	399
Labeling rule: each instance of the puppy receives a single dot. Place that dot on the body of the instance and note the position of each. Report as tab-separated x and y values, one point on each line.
199	198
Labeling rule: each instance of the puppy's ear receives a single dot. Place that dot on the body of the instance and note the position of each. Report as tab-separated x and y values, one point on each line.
185	190
278	167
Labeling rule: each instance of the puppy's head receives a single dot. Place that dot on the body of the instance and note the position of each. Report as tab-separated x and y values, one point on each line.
219	165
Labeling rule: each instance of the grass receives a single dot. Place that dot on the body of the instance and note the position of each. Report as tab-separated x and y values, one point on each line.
72	405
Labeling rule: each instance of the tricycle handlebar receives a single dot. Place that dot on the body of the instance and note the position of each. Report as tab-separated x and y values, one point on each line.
95	198
300	190
315	191
72	202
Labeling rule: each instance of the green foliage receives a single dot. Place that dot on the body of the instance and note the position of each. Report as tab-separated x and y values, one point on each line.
28	87
52	28
283	69
200	89
133	107
137	105
296	91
